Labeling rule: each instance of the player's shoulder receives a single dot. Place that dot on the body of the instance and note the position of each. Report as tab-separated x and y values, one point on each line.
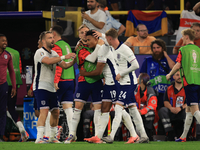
7	52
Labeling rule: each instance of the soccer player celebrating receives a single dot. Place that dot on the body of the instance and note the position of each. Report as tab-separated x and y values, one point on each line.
45	61
87	55
106	65
124	57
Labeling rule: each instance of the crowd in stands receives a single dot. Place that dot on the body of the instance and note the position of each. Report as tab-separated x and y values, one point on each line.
156	97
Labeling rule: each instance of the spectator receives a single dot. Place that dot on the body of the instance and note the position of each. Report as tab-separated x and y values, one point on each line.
141	43
94	18
172	114
110	21
11	103
147	102
157	66
5	63
196	9
196	27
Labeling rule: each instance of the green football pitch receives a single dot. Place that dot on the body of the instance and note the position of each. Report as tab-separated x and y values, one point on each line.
91	146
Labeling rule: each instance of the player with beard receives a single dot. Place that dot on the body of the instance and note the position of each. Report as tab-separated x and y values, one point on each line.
45	61
94	18
173	114
157	66
142	40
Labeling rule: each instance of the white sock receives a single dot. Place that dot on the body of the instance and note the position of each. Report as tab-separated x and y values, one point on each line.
75	120
117	120
69	115
40	132
197	115
187	124
103	122
53	132
47	125
20	126
128	123
97	114
137	119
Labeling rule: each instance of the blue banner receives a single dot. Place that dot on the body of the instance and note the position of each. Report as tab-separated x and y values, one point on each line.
30	120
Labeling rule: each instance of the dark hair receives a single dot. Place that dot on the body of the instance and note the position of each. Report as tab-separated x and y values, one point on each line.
137	28
90	32
160	43
103	3
2	35
145	77
58	29
195	24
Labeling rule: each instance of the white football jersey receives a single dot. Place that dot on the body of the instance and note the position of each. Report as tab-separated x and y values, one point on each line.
110	69
123	55
44	74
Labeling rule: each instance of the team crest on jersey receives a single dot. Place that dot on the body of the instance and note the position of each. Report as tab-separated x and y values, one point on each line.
42	53
43	102
6	56
78	95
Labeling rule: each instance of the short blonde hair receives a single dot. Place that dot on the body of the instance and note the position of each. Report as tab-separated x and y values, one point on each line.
190	33
82	26
112	32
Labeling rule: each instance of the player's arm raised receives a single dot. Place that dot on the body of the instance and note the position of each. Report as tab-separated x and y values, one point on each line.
53	60
66	65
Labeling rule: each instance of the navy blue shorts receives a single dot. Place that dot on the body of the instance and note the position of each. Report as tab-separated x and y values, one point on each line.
110	93
46	99
35	102
65	91
192	93
85	89
126	95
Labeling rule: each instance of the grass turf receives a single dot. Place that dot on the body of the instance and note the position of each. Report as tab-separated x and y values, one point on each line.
195	145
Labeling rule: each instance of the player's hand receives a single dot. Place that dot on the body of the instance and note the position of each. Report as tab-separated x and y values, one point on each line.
82	71
56	86
78	46
70	56
85	16
118	76
100	42
30	93
178	109
13	93
97	34
168	76
173	110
